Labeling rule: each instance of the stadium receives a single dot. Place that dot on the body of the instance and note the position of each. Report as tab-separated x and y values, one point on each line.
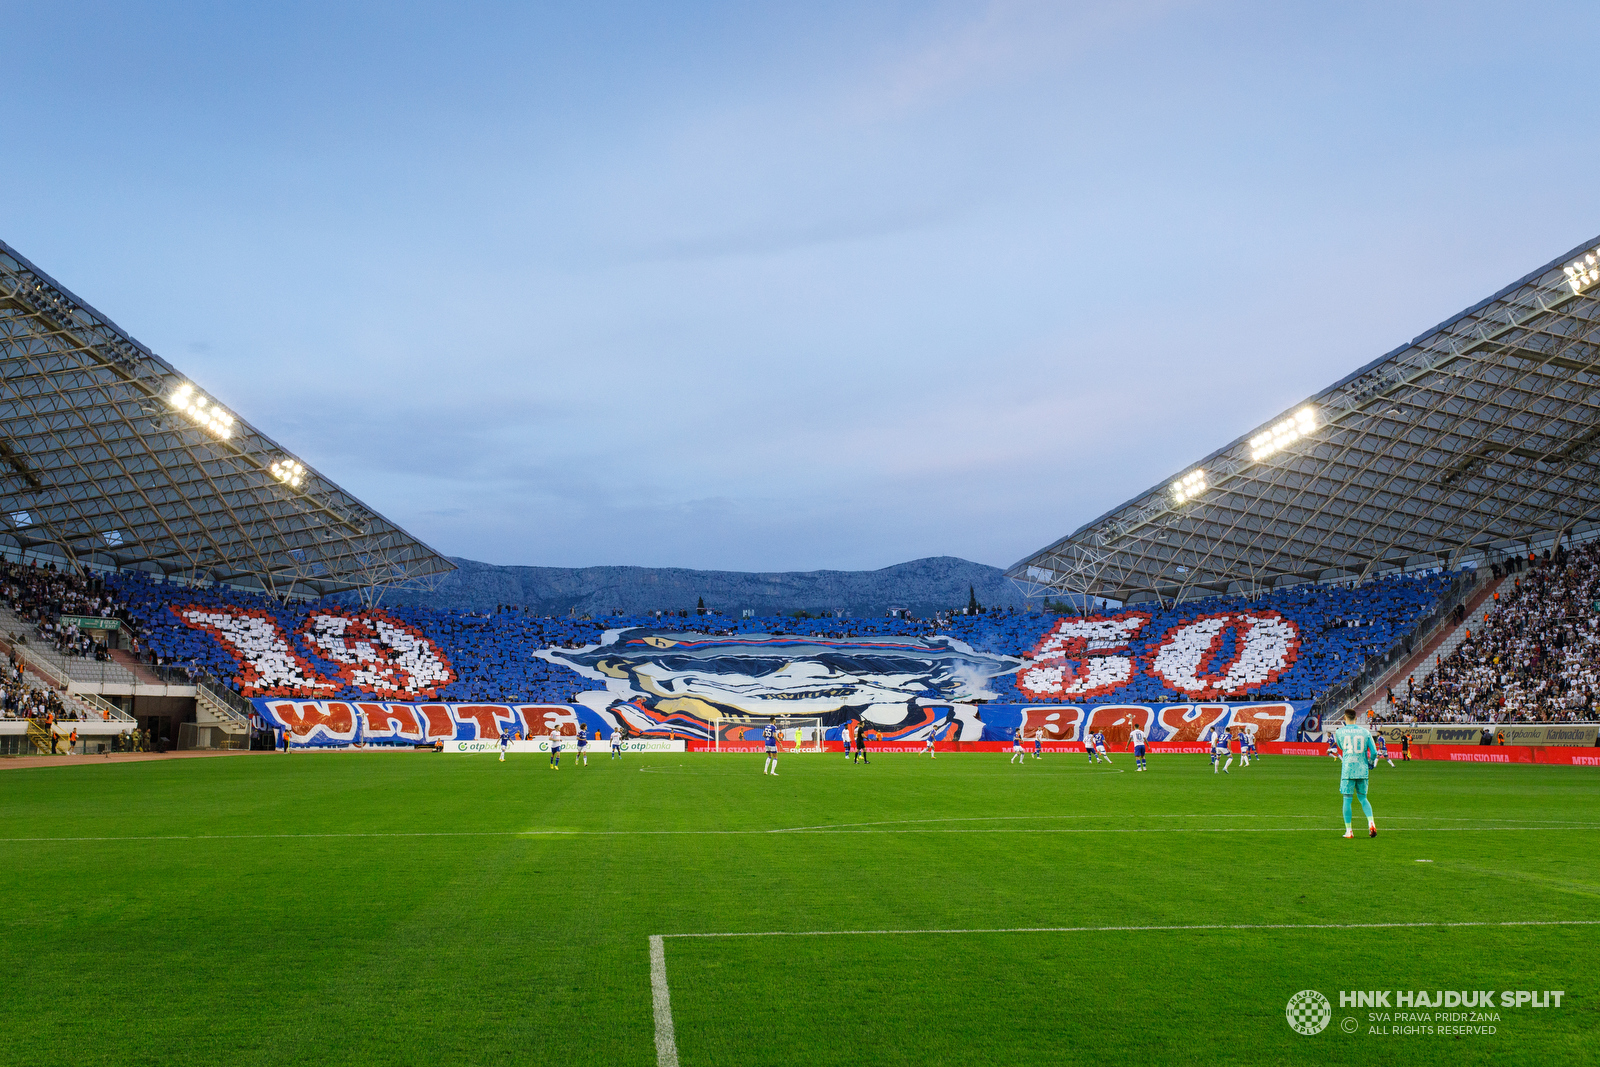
271	799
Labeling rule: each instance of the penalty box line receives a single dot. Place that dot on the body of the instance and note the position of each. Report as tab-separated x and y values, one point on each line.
661	992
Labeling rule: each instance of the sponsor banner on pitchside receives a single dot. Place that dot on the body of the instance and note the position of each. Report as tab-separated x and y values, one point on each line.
1452	734
1558	755
1577	734
1581	736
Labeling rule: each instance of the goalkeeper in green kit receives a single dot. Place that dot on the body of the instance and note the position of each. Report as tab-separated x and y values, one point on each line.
1357	755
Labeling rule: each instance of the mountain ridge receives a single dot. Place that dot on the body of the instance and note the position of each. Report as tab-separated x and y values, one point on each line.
921	586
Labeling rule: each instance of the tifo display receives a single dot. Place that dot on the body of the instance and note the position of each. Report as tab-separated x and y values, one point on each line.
707	668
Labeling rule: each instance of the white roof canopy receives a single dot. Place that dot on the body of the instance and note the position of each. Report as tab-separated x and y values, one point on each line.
1476	438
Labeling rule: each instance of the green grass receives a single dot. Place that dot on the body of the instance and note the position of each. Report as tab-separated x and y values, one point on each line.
372	909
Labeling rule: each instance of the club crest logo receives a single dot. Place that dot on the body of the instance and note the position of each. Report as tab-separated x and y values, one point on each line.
1308	1012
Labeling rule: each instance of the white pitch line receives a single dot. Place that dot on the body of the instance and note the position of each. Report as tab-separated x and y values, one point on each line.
1137	929
814	831
661	1002
666	1043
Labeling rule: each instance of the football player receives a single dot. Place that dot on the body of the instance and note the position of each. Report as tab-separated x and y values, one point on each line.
1381	743
1220	747
1100	747
1357	754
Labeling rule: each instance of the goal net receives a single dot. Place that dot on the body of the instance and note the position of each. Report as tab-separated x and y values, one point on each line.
796	733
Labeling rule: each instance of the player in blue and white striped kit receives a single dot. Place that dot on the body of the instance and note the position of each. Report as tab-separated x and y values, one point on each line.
1100	747
1247	746
1220	747
770	737
583	744
1382	744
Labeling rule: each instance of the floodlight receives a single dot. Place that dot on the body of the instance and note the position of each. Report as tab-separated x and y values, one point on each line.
1283	433
288	471
1189	486
207	414
1583	272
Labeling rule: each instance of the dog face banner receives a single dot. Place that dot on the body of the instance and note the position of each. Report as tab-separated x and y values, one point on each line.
654	677
329	653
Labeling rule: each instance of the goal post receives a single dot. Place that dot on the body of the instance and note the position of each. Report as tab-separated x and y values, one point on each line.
801	734
809	738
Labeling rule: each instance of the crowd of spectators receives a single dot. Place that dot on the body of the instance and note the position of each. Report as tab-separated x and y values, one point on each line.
19	699
49	599
490	653
1533	656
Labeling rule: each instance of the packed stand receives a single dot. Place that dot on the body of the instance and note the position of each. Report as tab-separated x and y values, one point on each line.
20	699
43	595
1532	656
314	648
1339	627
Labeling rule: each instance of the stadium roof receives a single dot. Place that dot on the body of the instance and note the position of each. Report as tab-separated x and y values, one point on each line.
1478	437
110	456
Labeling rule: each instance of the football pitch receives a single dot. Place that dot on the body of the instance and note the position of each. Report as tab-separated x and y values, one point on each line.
443	909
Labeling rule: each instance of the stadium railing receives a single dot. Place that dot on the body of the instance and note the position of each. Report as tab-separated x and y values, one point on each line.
231	710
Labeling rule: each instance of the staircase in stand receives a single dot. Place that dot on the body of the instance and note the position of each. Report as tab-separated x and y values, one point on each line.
225	712
39	734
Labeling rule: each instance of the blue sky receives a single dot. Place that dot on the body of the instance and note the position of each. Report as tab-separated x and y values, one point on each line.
781	287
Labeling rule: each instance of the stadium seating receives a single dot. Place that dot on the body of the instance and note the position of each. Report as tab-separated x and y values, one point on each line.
1312	636
1534	655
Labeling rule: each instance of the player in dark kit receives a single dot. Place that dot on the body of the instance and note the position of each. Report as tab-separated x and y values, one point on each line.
1405	747
861	743
769	738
